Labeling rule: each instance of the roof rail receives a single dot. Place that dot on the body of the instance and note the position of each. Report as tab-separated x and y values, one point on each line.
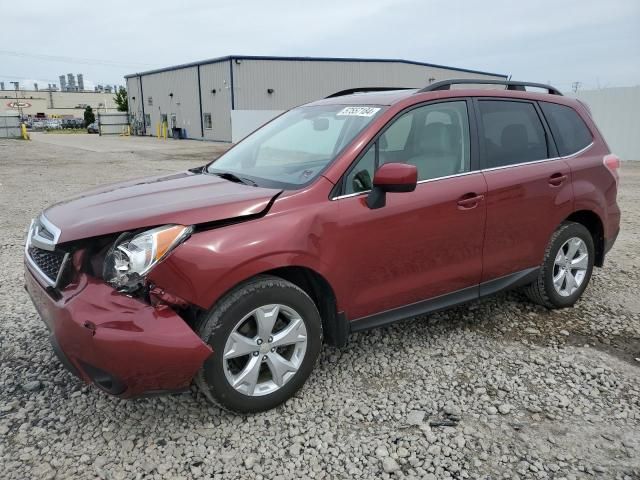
510	84
349	91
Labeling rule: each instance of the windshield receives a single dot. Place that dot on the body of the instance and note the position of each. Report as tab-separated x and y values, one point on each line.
294	148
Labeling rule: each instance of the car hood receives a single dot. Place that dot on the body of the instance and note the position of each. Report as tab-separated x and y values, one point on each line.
184	198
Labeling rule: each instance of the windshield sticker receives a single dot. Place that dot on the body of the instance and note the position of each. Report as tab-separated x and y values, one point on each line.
358	111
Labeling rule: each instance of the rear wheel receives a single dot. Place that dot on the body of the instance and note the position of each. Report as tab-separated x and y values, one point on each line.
266	335
566	269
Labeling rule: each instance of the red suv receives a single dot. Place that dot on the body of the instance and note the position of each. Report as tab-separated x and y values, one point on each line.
341	215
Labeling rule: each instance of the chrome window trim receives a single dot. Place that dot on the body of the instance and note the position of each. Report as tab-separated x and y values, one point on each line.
539	161
348	195
417	183
447	176
582	150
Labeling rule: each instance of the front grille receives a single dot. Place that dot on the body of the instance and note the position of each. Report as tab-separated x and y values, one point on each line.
49	262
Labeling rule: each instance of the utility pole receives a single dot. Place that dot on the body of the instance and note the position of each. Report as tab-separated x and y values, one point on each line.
575	86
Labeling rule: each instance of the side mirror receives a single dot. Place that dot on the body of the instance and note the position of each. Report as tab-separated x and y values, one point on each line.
391	177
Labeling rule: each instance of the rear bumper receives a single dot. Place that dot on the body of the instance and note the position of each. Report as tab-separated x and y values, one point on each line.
118	343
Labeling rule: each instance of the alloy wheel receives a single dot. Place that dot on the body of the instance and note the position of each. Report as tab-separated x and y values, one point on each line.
570	266
265	350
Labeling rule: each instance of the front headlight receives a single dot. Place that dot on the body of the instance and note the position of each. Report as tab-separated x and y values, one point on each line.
131	257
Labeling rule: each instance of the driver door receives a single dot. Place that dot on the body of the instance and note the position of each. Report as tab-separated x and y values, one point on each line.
425	243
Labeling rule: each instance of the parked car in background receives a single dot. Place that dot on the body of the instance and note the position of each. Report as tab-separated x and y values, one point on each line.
72	123
338	216
53	124
93	128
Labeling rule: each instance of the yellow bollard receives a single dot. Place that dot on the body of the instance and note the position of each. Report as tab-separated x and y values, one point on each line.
23	129
158	130
164	130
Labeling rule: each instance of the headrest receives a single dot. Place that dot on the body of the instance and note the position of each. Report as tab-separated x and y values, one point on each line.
436	137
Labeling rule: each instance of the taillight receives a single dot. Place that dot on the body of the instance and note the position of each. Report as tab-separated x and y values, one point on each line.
612	162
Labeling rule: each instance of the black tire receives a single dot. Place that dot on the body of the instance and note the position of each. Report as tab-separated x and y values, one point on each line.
542	290
216	326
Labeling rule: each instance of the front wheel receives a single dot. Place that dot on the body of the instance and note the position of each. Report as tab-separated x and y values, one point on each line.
566	269
266	335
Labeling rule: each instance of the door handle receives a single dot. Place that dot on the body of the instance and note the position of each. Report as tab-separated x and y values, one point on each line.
469	201
557	179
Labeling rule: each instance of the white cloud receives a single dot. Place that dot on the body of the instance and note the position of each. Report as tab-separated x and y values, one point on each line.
561	41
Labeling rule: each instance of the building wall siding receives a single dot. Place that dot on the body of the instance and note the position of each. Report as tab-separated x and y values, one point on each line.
184	103
64	103
244	122
135	102
616	111
298	82
244	83
216	76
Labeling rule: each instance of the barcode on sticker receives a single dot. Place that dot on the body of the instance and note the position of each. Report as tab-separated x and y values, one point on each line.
358	111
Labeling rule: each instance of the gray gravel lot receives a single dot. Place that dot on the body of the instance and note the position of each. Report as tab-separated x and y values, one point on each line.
496	389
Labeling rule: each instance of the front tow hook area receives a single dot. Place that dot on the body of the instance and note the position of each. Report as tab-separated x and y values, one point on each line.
90	326
103	380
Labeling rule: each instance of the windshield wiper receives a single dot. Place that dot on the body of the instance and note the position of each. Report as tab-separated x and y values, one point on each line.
232	177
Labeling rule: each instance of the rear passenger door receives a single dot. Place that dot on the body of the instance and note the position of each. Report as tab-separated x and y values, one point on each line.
529	189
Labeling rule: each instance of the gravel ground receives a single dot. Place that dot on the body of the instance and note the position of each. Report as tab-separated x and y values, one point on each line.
496	389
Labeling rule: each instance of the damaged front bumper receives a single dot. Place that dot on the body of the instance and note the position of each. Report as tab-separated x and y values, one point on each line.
122	345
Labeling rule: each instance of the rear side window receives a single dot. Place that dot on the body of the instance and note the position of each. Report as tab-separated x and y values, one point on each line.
512	133
568	129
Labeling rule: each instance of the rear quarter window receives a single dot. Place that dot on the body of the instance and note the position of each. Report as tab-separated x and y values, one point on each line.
569	130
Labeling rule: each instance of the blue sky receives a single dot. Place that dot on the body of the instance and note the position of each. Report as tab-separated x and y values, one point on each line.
596	43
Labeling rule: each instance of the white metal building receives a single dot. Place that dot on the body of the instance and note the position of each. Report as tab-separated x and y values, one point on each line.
223	99
51	103
617	114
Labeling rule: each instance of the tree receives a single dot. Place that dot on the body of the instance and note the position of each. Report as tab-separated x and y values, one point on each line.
121	99
89	116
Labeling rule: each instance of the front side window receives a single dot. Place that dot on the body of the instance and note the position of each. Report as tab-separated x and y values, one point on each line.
294	148
434	138
360	178
568	129
512	133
